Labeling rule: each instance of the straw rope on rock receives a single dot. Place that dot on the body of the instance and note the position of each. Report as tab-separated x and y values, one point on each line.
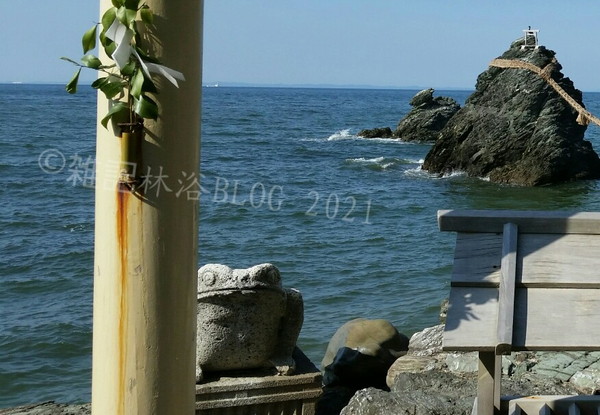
523	125
584	117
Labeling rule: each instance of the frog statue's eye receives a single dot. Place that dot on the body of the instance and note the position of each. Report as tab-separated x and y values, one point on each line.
209	278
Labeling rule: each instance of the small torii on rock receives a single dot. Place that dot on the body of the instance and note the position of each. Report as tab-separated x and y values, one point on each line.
530	33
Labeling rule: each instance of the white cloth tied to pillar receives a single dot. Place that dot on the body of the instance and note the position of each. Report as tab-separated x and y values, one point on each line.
122	35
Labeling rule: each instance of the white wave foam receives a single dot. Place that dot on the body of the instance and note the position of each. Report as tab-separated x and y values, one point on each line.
419	173
347	135
363	160
382	163
455	173
341	135
385	140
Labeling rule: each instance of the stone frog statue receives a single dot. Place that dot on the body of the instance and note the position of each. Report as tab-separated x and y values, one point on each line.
246	320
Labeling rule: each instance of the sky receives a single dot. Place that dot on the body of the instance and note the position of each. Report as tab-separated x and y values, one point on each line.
377	43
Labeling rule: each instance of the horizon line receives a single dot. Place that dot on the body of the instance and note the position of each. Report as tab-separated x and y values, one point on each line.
218	84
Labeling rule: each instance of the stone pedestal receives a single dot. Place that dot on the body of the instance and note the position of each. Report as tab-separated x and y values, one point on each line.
258	392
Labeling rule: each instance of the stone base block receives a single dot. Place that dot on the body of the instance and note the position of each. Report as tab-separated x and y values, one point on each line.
261	393
555	404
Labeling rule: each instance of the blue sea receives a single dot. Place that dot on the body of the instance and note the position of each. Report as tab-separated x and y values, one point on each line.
349	222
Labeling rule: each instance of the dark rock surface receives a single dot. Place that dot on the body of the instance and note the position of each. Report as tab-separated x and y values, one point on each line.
429	381
382	132
426	118
49	408
443	393
515	128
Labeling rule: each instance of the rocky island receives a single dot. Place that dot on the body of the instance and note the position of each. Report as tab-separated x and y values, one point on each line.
424	121
516	128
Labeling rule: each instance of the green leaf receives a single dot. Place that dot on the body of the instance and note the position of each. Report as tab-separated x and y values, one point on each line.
147	16
119	108
128	69
137	83
112	89
91	61
109	45
72	85
108	18
149	86
98	83
146	108
132	4
117	3
126	16
104	67
70	60
88	41
145	57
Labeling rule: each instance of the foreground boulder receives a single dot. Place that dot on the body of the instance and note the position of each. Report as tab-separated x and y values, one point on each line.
516	128
426	118
358	356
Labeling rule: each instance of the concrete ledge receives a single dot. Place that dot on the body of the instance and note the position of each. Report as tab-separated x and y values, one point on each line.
259	392
555	404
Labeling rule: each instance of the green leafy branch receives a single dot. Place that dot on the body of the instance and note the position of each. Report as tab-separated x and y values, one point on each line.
129	76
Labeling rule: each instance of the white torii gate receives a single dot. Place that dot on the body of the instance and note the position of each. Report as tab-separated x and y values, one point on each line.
527	33
146	247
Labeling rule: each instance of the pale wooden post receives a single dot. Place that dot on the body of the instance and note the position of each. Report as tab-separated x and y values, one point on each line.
506	289
146	242
488	384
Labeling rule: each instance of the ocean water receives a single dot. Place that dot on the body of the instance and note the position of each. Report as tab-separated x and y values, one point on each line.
349	222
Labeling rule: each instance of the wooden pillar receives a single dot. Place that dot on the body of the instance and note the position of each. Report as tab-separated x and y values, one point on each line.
488	384
146	242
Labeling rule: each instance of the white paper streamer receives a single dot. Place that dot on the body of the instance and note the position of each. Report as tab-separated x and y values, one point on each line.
121	35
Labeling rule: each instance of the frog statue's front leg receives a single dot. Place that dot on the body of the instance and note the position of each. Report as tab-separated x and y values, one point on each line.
289	330
199	374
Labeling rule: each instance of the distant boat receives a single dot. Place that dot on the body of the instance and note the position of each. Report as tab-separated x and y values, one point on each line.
16	82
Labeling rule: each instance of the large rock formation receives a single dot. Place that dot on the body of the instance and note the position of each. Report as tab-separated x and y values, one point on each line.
515	128
426	118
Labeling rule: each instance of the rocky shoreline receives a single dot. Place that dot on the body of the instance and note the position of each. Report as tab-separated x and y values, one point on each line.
429	380
49	408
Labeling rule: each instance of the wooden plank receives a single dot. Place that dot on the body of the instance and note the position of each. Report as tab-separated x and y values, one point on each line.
506	296
547	319
559	261
544	260
562	222
471	319
544	319
477	259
